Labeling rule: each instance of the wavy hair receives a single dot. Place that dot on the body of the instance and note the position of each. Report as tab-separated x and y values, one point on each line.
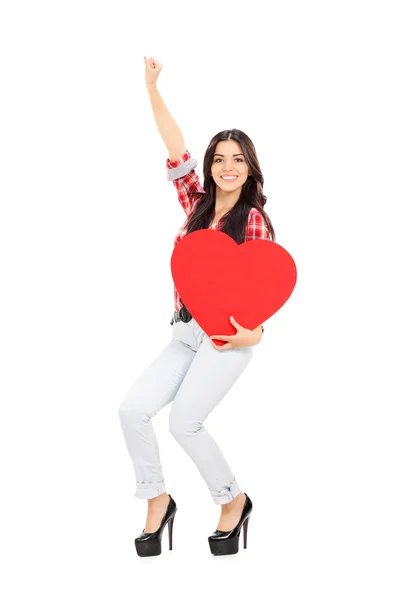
251	195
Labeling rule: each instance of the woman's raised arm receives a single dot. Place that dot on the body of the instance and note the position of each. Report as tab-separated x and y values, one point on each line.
166	125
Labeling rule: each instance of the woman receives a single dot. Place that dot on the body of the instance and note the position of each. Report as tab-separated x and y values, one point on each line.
231	201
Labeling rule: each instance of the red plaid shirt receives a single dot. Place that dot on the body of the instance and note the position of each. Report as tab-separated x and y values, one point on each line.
181	172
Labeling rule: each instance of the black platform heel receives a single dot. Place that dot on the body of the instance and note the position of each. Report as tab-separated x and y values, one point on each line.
149	544
227	542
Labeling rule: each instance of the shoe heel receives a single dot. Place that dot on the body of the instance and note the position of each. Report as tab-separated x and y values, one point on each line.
170	527
245	525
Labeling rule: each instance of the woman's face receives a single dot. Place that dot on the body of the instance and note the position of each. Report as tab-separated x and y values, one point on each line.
229	160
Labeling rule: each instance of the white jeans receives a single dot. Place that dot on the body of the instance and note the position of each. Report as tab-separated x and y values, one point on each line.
194	375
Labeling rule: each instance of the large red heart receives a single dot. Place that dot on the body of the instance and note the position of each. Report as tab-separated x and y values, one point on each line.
217	278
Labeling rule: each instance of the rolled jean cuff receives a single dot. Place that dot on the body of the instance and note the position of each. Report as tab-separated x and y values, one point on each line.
225	494
148	490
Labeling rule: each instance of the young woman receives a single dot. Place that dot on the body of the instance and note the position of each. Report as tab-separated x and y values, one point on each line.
191	371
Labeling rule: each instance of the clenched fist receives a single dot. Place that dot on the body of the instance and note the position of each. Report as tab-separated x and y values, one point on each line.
153	69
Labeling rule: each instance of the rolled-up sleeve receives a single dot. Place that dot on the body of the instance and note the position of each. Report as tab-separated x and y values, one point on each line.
180	166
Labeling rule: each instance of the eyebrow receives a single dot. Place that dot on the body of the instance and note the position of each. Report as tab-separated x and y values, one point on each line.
217	154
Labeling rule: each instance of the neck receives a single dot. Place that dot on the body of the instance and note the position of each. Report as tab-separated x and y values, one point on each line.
226	200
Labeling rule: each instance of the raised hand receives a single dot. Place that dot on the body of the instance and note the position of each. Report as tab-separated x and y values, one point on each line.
153	69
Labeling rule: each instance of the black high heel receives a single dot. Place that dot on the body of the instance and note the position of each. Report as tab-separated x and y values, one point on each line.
149	544
227	542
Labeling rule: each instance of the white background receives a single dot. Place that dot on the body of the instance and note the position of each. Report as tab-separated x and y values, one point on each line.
311	429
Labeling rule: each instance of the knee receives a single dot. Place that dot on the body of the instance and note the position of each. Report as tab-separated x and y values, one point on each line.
124	408
180	427
131	409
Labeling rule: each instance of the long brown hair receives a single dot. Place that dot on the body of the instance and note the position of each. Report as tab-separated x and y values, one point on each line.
251	196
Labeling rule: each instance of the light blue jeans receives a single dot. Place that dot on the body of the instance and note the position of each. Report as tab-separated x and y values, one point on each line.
196	376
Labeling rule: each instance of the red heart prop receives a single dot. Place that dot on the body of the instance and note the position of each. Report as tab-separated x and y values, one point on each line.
217	278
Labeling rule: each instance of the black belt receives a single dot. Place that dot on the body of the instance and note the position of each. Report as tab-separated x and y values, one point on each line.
181	315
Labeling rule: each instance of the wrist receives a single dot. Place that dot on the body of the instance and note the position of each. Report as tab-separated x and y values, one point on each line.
259	329
257	335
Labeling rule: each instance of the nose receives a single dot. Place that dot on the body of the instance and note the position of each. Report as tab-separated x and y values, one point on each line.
228	166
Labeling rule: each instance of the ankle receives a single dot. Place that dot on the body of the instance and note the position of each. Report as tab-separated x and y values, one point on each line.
228	506
158	500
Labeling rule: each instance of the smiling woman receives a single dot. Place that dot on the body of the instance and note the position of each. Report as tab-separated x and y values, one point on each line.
190	371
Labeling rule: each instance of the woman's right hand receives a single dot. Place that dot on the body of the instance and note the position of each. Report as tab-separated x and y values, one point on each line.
153	69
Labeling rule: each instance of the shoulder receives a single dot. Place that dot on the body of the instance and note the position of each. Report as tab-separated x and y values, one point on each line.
254	215
256	226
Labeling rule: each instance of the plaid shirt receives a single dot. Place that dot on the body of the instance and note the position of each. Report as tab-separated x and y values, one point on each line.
181	172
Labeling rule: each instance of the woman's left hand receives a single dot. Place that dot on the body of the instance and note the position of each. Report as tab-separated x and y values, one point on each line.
242	338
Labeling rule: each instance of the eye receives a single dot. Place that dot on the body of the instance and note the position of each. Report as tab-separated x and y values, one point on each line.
217	159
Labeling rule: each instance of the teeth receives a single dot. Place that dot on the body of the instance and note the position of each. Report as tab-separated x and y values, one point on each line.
229	178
